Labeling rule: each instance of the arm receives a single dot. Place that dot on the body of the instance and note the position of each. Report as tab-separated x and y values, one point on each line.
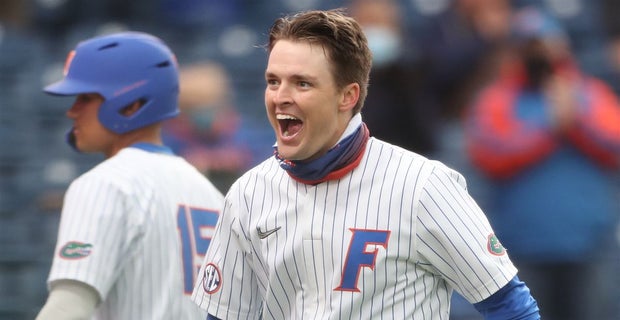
108	230
69	299
513	301
226	270
596	131
498	142
456	240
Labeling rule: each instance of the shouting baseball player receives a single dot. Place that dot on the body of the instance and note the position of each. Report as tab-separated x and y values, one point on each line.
134	229
340	225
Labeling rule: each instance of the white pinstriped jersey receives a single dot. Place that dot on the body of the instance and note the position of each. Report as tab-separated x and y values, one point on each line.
135	228
390	240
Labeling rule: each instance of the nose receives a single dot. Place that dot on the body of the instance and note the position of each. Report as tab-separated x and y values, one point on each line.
282	95
73	111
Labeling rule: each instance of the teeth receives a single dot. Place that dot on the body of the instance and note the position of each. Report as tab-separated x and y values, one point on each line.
285	133
285	117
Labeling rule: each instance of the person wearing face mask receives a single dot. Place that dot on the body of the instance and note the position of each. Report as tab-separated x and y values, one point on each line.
398	108
547	136
208	132
459	41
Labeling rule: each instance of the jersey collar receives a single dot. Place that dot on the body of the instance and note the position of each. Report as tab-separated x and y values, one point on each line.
150	147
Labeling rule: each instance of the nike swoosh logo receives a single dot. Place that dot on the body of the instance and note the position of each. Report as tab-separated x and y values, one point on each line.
265	234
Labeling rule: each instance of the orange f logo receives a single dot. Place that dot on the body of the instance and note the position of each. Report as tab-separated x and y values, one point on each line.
70	57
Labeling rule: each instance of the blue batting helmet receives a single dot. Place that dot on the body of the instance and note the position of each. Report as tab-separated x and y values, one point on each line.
124	68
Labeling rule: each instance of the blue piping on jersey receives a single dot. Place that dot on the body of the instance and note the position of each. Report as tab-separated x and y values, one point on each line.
151	147
513	301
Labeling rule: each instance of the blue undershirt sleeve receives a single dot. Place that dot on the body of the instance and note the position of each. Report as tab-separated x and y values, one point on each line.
513	302
210	317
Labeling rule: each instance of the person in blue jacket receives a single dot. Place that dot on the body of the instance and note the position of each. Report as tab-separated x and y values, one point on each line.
548	137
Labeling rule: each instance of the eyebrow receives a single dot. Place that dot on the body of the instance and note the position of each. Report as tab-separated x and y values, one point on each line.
295	76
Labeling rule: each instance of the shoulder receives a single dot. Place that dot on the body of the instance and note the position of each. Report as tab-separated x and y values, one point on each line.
598	86
106	176
394	154
378	147
125	160
423	167
266	172
132	166
126	163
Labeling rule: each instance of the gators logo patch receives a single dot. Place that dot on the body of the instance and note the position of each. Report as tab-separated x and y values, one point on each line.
494	246
75	250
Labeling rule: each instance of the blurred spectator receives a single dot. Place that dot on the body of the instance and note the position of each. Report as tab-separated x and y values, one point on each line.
15	13
458	41
59	17
398	108
207	133
610	14
547	135
184	22
200	13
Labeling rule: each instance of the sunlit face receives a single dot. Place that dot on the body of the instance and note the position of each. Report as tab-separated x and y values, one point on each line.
90	134
305	108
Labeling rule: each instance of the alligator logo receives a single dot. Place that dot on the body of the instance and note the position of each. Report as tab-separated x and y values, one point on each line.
494	246
75	250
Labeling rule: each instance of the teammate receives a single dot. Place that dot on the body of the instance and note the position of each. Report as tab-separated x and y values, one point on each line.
133	229
339	225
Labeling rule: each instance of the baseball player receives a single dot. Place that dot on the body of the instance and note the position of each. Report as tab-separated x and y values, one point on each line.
340	225
133	229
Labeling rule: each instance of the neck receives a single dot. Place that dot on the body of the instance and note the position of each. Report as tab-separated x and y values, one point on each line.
149	134
337	162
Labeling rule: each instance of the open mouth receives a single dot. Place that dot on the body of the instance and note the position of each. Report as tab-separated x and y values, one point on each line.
289	125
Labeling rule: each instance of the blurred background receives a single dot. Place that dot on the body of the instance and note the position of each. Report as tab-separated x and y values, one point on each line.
431	59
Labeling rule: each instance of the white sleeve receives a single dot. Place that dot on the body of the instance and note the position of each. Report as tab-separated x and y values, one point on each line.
456	238
95	233
226	285
69	300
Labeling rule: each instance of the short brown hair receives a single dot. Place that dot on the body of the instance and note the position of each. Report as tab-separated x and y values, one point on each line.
342	37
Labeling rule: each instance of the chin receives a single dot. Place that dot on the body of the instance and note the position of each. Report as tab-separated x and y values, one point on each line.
289	153
286	155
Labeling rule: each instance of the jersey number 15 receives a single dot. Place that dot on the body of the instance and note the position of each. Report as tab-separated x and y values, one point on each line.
195	227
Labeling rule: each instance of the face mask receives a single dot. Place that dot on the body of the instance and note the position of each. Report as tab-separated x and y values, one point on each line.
202	117
384	44
538	69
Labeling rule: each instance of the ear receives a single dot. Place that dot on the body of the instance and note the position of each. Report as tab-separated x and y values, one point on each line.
132	108
350	94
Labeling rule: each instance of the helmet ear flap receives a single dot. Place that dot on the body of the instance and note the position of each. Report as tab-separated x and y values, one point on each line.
132	108
121	119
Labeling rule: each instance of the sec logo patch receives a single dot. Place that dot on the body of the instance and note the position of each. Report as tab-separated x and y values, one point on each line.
212	279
